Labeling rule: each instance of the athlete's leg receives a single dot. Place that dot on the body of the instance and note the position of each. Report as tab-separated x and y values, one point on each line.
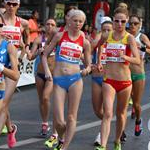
44	90
97	100
3	115
58	110
74	97
108	93
122	103
138	88
10	89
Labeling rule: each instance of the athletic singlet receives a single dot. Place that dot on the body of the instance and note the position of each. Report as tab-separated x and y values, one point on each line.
68	50
103	55
137	38
4	57
114	48
13	31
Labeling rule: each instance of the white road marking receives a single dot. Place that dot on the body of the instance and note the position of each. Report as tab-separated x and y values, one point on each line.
79	128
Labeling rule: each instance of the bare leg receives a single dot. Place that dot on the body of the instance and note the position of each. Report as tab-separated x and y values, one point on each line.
122	103
138	88
108	101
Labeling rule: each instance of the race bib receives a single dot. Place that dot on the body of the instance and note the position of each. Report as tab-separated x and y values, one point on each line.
13	32
113	52
70	51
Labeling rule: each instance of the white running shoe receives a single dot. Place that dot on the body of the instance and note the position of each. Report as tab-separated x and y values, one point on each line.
97	141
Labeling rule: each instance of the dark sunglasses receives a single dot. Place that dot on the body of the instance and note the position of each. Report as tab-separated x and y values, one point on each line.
120	21
12	4
134	23
1	25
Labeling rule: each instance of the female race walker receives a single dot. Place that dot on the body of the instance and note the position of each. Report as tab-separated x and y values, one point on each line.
119	47
67	76
13	27
97	77
44	87
8	55
138	71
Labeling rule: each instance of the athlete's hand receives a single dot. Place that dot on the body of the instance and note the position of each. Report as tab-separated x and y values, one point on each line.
100	67
48	76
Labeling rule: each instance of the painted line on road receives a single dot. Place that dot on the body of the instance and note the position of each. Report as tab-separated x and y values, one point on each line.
78	129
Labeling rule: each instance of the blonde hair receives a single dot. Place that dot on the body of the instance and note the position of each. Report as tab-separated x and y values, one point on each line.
76	12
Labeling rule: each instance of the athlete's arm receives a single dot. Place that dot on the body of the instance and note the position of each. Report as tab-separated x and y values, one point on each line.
31	54
12	73
135	59
87	57
145	40
25	25
46	52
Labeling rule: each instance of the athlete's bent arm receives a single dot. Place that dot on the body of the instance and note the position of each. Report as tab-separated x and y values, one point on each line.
136	57
12	73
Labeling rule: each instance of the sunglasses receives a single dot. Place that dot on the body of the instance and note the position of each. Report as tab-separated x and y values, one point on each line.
134	23
1	25
12	4
120	21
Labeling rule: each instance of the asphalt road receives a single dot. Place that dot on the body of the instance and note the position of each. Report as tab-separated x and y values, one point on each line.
25	113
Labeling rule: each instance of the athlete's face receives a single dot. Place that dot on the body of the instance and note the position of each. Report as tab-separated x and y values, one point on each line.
134	24
76	22
50	25
120	21
11	6
107	27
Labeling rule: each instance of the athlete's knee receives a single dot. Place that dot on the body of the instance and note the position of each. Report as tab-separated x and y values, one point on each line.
121	115
99	114
45	99
137	106
108	115
71	119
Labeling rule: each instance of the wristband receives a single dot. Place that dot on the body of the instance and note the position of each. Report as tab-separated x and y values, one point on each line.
1	67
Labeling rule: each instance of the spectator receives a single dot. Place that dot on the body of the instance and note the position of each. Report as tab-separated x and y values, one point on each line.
33	26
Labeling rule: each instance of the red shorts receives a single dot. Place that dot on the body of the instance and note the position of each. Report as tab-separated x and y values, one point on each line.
118	85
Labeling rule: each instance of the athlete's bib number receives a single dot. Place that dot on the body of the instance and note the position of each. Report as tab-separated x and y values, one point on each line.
114	51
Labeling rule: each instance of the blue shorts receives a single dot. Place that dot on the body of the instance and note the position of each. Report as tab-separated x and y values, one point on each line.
98	80
2	94
66	81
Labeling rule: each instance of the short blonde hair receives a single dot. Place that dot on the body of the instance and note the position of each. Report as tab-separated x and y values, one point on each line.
76	12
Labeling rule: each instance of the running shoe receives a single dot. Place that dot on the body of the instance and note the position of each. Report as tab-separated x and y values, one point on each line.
97	141
99	148
130	101
138	127
51	142
11	139
4	130
123	137
45	130
59	146
133	113
117	146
